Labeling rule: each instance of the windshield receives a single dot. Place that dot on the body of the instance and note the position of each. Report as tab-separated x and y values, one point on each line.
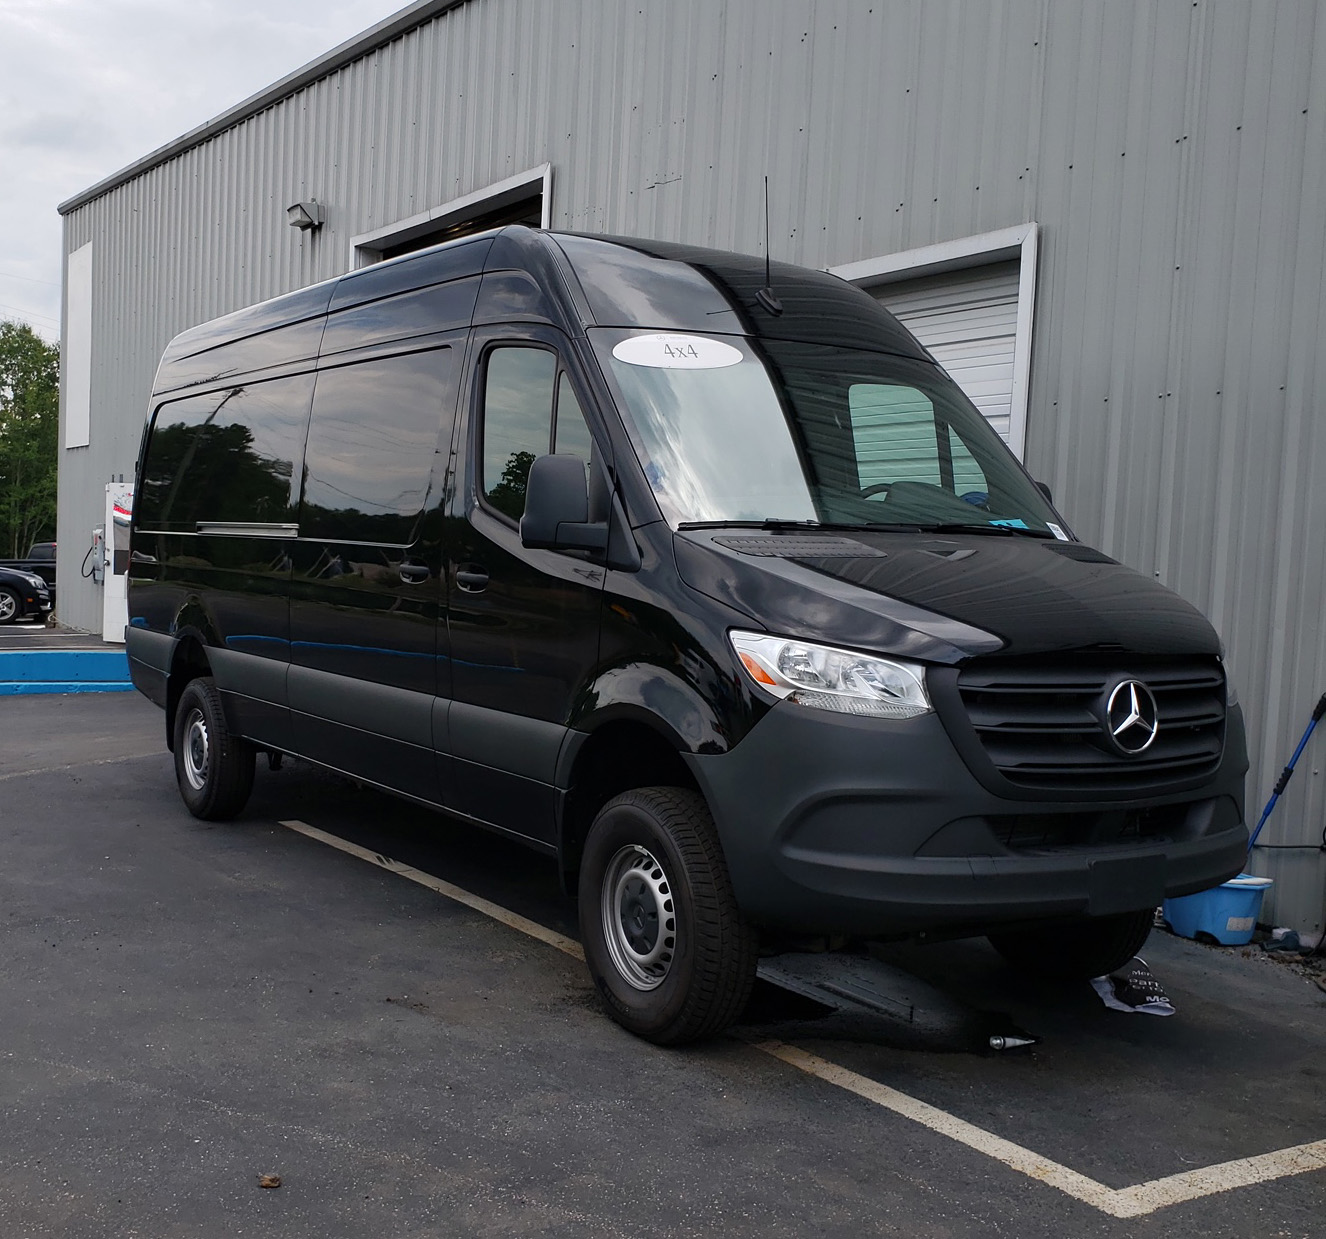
729	430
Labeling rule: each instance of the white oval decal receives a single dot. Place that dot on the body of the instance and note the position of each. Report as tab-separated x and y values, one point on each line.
665	351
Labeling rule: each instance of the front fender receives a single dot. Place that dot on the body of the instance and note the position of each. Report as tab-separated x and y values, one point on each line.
656	696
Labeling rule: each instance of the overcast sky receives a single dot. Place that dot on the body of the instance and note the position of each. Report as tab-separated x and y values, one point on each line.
88	86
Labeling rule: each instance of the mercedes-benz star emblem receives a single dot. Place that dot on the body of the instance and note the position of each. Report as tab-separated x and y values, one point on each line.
1131	717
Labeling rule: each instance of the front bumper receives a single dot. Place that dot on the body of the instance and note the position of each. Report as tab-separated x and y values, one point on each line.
834	824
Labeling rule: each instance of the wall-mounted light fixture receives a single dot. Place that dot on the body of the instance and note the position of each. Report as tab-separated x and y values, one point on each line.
305	216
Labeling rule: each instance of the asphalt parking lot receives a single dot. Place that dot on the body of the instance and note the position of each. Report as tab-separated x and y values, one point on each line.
187	1006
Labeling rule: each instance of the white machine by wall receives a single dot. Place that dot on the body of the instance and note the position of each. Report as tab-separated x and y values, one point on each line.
114	556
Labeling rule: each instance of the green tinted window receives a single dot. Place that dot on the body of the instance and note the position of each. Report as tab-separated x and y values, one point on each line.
517	422
968	476
895	436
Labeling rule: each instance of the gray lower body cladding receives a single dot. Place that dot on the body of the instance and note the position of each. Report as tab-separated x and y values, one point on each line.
835	824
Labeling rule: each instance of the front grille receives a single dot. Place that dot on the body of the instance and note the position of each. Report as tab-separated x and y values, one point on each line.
1040	723
1045	832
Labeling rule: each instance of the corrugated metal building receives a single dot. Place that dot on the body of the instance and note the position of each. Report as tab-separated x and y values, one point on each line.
1109	221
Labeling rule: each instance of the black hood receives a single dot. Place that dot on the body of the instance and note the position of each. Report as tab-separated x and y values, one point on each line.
941	598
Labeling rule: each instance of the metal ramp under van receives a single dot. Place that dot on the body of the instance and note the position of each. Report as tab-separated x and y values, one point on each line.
863	997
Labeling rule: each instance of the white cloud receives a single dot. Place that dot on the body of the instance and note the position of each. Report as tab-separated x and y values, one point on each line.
89	86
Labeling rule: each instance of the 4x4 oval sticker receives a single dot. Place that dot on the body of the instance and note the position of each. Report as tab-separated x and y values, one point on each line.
665	351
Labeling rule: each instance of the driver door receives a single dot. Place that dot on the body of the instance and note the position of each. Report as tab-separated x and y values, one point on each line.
523	624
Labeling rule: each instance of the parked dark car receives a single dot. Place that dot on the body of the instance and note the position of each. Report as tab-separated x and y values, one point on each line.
709	584
40	562
23	595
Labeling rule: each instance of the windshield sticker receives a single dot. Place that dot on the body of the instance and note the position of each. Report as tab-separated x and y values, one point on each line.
663	351
1058	533
1016	523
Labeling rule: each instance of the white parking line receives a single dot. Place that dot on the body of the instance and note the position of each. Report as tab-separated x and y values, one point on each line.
567	945
1117	1202
1123	1202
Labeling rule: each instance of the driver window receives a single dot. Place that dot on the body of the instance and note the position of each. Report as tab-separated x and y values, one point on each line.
517	423
529	409
571	437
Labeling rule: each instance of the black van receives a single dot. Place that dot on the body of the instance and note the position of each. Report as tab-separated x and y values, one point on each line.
709	584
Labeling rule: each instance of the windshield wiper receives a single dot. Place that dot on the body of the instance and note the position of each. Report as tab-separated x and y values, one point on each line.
1004	531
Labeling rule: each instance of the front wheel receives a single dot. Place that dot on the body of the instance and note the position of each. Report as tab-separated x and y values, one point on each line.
1079	951
671	955
11	605
213	767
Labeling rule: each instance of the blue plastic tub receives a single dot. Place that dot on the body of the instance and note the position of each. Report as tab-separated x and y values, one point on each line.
1227	913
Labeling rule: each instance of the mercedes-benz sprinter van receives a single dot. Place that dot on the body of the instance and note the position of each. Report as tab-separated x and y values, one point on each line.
708	583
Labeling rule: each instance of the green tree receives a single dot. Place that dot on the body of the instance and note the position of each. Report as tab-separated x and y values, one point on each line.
29	430
509	494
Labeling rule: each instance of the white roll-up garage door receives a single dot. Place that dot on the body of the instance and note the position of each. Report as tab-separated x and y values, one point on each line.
968	320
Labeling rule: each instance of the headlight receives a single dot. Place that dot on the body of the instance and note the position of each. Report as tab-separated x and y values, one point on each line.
832	679
36	582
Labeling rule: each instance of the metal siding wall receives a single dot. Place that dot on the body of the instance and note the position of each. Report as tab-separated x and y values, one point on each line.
968	321
1175	154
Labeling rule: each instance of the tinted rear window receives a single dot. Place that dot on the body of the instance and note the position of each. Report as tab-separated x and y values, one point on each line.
376	429
227	456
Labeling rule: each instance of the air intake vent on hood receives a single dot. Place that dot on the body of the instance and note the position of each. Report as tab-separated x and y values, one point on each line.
796	546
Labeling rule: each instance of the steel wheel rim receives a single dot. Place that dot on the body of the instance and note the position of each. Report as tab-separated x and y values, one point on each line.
8	605
639	917
197	749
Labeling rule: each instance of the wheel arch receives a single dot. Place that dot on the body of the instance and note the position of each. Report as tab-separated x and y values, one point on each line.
188	662
623	753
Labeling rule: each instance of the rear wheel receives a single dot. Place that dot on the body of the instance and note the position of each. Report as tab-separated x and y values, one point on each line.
213	767
669	951
11	605
1081	950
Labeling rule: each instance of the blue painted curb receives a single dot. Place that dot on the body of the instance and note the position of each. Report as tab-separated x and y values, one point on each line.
63	671
27	688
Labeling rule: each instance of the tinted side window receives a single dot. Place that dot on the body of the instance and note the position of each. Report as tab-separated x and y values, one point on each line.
894	430
371	445
517	422
226	456
968	476
571	437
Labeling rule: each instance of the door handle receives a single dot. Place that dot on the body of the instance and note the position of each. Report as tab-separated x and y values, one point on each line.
414	573
472	578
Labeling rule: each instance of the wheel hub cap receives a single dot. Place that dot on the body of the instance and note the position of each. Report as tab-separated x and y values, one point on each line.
639	918
196	750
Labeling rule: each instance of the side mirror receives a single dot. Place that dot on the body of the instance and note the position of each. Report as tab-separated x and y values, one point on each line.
1045	490
557	508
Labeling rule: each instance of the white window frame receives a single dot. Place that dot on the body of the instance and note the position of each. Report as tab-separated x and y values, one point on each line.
1018	242
367	247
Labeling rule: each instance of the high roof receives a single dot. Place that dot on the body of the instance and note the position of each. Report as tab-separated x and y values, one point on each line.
389	28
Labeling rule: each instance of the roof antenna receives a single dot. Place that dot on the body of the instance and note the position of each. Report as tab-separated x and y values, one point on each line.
766	296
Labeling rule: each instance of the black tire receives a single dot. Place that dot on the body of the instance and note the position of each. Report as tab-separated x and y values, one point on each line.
1081	950
214	768
11	605
656	849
